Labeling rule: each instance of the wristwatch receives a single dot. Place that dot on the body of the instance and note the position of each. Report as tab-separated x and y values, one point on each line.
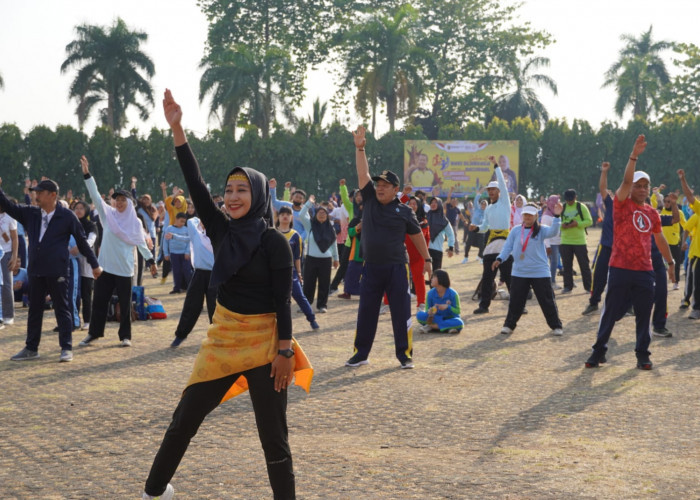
429	259
287	353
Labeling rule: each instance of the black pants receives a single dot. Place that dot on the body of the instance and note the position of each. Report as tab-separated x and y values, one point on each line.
104	286
85	300
317	269
57	287
489	275
436	255
199	400
474	239
600	273
344	253
197	291
519	288
567	253
677	254
139	272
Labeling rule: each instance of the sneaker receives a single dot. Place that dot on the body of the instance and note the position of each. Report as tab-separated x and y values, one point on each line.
25	355
644	363
407	364
87	340
676	287
356	360
168	494
384	309
566	290
453	330
345	296
66	356
662	332
556	286
425	329
332	291
481	310
8	321
163	280
86	326
177	341
630	312
314	325
590	309
596	359
694	314
684	305
506	331
125	343
465	260
558	332
174	292
322	310
421	307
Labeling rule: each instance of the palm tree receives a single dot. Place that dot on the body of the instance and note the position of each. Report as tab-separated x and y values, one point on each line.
383	62
639	74
523	101
110	65
246	82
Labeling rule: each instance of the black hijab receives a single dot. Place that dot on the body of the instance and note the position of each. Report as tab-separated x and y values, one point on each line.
324	234
88	225
436	219
244	235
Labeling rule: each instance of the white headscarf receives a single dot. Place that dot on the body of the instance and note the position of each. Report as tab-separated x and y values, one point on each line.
125	225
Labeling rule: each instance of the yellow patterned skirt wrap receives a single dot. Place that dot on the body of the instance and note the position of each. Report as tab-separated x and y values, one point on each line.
239	342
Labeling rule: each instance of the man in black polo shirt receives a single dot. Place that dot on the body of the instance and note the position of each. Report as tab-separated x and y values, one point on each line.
385	223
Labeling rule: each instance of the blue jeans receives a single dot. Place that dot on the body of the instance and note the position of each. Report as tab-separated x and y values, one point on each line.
553	261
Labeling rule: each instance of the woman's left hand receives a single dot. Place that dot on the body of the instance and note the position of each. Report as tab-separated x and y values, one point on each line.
84	165
282	371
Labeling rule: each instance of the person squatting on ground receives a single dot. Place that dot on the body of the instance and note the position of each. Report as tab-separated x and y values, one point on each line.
249	345
198	290
526	244
385	222
49	227
284	226
443	310
631	274
497	223
122	231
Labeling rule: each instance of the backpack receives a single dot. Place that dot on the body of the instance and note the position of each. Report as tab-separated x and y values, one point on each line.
155	309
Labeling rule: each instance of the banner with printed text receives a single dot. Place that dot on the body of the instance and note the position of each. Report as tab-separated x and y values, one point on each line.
437	166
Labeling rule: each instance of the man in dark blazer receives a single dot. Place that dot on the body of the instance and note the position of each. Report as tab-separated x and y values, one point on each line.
49	227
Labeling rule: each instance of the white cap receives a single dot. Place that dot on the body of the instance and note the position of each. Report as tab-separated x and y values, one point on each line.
639	174
493	184
529	209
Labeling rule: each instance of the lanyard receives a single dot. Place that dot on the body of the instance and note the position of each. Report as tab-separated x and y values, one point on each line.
524	245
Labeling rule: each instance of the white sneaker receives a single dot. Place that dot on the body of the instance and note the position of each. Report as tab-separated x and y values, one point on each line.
86	326
384	309
556	286
558	332
66	356
322	310
506	331
168	494
8	321
694	314
125	343
421	307
675	287
465	260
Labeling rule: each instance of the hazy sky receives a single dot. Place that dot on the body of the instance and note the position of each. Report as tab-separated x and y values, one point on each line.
34	33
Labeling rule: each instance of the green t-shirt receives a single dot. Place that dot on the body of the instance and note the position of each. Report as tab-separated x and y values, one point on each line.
575	235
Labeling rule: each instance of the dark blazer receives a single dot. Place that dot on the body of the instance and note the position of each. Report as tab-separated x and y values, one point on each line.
50	256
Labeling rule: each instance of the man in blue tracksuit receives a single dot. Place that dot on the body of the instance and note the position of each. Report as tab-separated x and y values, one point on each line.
385	223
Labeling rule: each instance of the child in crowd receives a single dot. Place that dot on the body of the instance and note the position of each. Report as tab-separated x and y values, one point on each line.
443	312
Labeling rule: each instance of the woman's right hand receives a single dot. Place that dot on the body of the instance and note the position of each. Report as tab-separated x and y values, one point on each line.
85	165
171	109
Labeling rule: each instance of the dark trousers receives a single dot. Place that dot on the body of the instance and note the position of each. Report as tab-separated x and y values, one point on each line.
300	298
658	317
378	279
139	267
199	400
57	287
489	275
567	261
677	254
317	269
182	271
197	291
344	253
600	273
85	299
474	239
436	255
22	250
104	286
627	287
519	288
692	282
74	291
353	276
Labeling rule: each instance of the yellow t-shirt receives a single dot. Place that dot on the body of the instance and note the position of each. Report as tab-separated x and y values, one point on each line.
422	179
691	226
673	233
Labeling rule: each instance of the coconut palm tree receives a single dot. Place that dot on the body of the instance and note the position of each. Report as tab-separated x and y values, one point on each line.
246	82
639	75
384	63
523	101
112	71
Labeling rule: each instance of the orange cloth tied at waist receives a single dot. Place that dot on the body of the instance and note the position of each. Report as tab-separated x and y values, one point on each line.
239	342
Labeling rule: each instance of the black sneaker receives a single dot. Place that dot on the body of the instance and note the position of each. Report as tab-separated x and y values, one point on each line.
356	361
662	332
684	305
596	359
481	310
644	363
565	290
590	309
177	341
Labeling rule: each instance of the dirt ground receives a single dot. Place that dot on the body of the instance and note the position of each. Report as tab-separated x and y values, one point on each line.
482	415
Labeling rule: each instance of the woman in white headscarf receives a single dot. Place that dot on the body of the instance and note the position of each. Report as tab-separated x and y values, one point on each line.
122	231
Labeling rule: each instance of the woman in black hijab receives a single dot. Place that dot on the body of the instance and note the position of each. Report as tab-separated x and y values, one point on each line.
249	344
440	229
322	253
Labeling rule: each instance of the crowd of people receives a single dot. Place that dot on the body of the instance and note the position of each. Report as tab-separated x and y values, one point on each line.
248	252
